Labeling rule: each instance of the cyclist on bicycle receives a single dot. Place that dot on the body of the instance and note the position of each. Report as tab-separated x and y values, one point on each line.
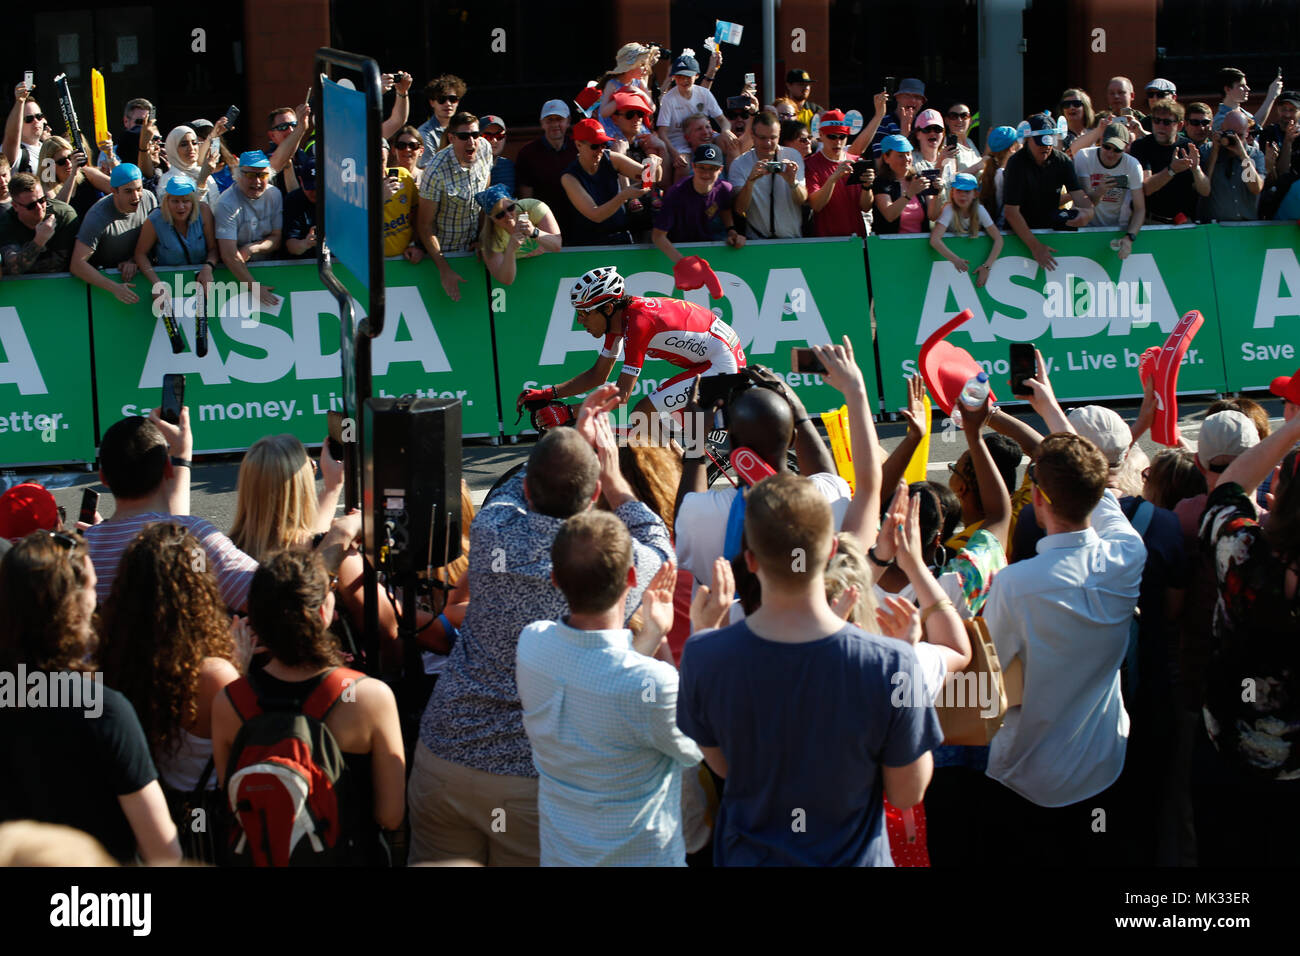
634	328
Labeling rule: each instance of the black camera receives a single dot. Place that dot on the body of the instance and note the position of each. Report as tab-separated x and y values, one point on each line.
664	52
933	189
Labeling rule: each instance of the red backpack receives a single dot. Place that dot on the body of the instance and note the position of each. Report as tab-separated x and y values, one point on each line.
286	781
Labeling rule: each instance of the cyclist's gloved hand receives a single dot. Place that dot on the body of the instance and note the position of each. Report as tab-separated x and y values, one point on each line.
535	395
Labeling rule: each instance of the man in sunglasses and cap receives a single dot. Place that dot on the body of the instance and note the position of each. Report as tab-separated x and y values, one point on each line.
36	232
1031	189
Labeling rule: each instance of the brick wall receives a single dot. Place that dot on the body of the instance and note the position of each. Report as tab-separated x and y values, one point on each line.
280	42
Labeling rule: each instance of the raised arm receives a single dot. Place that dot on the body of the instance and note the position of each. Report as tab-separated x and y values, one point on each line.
995	502
842	373
1250	467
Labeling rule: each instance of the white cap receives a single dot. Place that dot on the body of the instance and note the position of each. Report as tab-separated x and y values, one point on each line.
555	108
1225	433
1105	429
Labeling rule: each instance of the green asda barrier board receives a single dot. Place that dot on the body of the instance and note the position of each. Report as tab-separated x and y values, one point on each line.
1257	277
46	407
775	295
1092	317
278	371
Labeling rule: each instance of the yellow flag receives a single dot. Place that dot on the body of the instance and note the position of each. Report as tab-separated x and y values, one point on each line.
837	429
98	109
916	468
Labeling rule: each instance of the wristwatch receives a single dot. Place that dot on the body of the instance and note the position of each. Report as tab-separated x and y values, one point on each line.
536	232
1132	236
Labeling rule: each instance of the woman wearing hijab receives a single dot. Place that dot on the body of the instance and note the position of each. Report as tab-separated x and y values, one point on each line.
188	156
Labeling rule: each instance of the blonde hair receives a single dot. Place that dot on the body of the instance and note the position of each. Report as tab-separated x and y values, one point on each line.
166	213
48	149
961	224
626	60
276	504
29	843
848	567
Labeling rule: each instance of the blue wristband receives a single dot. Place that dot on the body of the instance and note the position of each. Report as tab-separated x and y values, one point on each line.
452	633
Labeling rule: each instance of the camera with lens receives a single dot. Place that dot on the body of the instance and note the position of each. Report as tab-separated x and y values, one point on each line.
933	189
772	166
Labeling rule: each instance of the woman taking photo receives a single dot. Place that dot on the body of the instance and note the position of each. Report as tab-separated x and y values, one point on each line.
1081	130
514	229
187	155
169	647
290	604
84	763
67	178
901	206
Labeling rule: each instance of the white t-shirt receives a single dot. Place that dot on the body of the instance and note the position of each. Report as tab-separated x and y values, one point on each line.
946	218
673	108
1116	206
701	523
789	217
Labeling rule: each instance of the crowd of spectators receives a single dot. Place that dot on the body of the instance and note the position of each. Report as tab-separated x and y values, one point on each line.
627	667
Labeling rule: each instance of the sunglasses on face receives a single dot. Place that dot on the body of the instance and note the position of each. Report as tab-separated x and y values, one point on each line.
33	118
1111	149
505	212
834	136
1218	469
284	127
1199	123
1163	120
62	161
1072	104
257	174
632	114
959	116
933	131
407	144
494	137
597	147
448	98
29	206
804	139
463	135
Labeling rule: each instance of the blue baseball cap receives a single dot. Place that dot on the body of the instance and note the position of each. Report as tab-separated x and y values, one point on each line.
686	66
180	185
1001	137
895	144
489	197
253	159
965	181
124	173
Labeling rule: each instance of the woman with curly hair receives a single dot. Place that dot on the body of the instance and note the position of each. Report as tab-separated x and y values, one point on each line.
289	606
167	645
79	759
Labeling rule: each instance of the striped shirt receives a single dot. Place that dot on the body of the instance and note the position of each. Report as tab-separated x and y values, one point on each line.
232	568
602	721
453	187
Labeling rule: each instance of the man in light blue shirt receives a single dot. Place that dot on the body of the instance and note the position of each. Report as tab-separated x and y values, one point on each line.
601	714
1067	615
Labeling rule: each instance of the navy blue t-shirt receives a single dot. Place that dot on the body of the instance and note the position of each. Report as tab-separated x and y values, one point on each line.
805	729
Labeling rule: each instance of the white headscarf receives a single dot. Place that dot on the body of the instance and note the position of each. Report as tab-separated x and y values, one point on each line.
173	151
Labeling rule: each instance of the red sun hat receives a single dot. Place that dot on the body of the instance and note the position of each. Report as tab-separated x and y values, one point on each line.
1287	387
590	131
947	368
832	121
26	508
629	98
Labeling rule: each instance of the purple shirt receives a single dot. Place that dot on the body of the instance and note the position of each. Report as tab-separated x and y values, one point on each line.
689	217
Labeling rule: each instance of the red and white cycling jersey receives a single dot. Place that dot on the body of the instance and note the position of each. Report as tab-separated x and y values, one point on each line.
683	333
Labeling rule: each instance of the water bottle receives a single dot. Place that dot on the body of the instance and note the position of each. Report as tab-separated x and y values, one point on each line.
972	395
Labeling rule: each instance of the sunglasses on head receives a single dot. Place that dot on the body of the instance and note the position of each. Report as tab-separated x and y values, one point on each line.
29	206
33	118
1163	120
464	135
407	144
447	98
1072	104
505	212
64	540
959	116
284	127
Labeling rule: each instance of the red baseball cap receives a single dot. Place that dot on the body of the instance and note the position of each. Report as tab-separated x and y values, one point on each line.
832	121
26	508
590	131
1287	387
628	99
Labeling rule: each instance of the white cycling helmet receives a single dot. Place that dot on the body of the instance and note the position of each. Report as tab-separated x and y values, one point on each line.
596	288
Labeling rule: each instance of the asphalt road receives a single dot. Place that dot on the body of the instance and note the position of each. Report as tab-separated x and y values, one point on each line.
214	480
